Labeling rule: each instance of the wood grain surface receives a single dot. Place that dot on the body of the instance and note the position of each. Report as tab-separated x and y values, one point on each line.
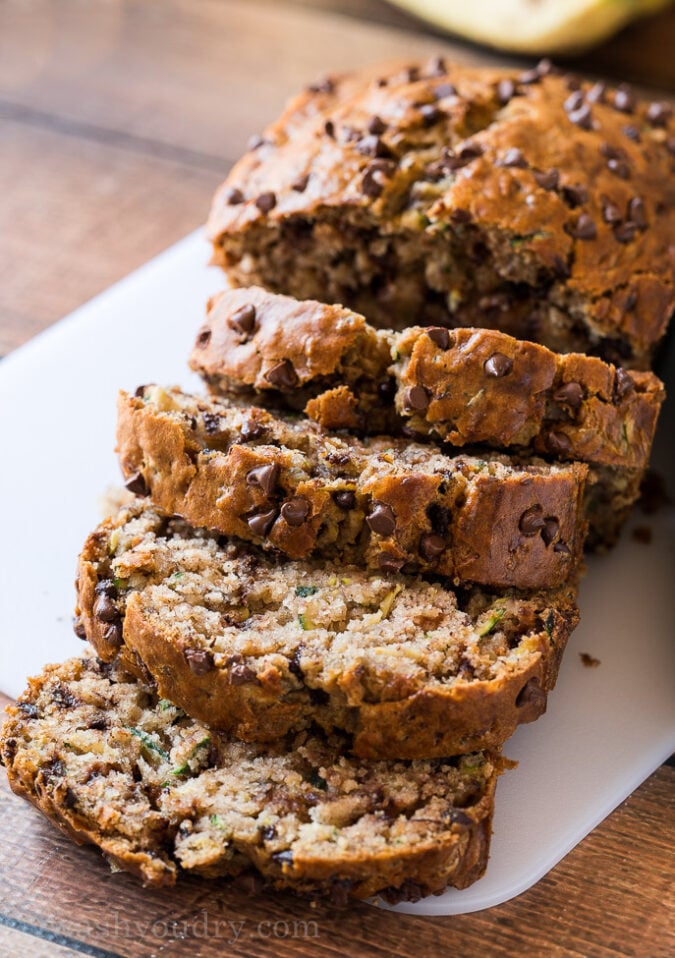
117	120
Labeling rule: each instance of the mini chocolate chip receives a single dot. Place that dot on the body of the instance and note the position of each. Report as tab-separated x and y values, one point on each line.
548	180
300	185
104	610
416	398
506	90
632	133
658	114
439	336
431	546
382	519
329	129
619	168
283	858
242	320
234	196
266	201
573	101
574	195
624	99
611	213
255	142
139	392
498	365
268	832
558	443
373	146
570	394
241	675
203	338
322	86
295	511
430	114
544	67
636	212
437	67
514	157
137	484
582	117
112	634
376	125
460	217
250	430
79	629
444	90
199	660
623	385
584	228
260	523
550	529
596	94
562	547
625	232
458	817
531	521
345	499
211	423
371	184
28	710
529	77
390	563
283	375
265	477
457	160
412	74
106	587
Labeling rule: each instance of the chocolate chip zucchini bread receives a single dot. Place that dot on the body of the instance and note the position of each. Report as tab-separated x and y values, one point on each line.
535	203
383	503
259	647
460	386
163	795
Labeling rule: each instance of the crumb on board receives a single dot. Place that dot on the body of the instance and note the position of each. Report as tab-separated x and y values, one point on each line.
589	660
642	534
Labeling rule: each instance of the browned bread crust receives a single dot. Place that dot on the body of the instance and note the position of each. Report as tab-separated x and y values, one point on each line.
162	795
408	668
539	204
383	503
461	386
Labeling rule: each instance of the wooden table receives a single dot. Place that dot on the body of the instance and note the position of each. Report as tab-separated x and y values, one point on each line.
117	121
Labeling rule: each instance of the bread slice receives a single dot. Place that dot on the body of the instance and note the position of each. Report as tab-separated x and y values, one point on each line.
458	386
527	201
161	794
408	668
387	504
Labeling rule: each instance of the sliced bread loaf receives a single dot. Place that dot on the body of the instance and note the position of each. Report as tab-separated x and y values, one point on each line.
409	668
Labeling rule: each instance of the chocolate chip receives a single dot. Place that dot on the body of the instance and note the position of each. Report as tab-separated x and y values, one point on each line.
596	94
329	129
619	168
300	185
137	484
241	675
376	125
242	320
506	90
416	398
439	336
573	101
106	587
322	86
390	563
571	394
514	157
211	423
283	858
624	99
623	385
344	499
658	114
562	547
625	232
498	365
140	392
430	114
611	213
203	340
582	117
529	77
265	477
632	133
382	519
250	430
636	212
548	180
574	195
373	146
437	67
572	82
412	74
386	390
112	634
431	546
260	523
295	511
460	217
79	629
104	610
531	521
550	529
458	160
584	228
199	660
283	375
458	817
268	832
371	184
444	90
558	443
266	201
531	694
28	710
234	196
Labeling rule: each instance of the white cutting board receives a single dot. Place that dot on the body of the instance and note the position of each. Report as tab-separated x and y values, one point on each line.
607	728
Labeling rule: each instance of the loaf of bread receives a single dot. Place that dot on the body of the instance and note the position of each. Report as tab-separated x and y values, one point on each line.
436	194
259	647
460	386
162	794
382	503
